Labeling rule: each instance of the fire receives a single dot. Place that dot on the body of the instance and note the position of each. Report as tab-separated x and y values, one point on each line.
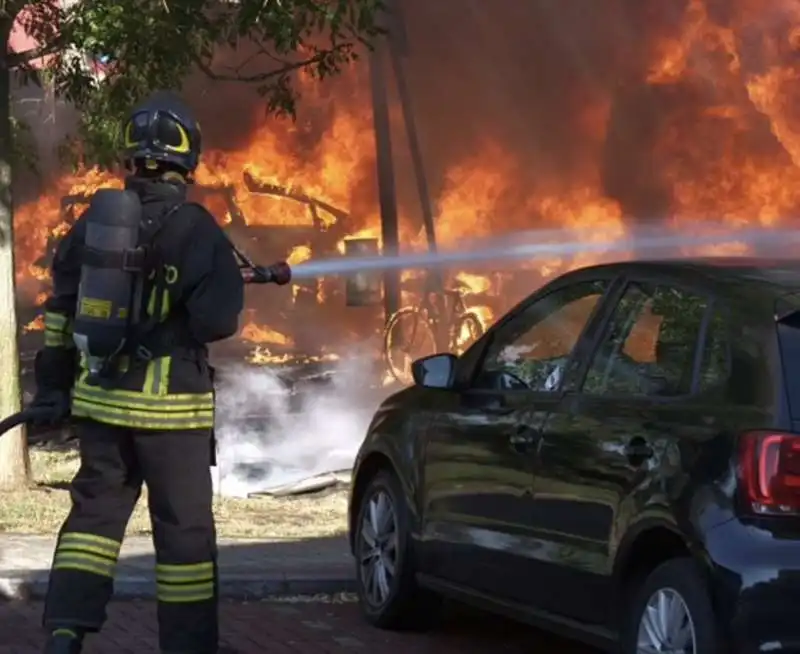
367	232
299	254
698	38
474	286
750	81
262	356
37	324
703	126
262	334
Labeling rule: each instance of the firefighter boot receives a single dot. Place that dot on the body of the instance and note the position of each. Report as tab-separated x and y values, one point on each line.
64	641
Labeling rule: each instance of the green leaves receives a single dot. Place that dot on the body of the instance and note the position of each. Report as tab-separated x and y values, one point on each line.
318	36
156	44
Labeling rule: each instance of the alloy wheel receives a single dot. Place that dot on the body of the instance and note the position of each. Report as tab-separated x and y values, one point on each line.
378	548
666	626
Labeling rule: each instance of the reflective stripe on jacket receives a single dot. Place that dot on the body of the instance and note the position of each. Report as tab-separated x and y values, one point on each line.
147	409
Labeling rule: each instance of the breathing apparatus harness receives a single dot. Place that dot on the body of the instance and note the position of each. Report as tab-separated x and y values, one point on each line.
120	256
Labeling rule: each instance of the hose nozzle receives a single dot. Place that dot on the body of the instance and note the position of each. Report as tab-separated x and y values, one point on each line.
278	273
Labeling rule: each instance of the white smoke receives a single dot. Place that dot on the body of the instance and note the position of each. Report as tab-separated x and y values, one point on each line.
272	432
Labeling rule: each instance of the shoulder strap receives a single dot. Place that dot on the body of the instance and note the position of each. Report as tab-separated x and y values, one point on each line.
144	329
153	234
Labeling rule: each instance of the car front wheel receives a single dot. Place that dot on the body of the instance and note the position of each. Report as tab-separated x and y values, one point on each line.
671	612
385	575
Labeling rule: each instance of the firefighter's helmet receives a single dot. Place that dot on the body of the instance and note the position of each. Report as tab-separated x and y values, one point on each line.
162	130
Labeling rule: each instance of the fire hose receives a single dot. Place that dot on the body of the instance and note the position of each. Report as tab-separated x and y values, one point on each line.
279	273
24	417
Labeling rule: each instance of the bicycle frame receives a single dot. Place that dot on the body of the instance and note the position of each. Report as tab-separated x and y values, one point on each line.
442	319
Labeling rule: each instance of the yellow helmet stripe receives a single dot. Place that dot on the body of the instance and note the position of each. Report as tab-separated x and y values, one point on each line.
184	147
129	142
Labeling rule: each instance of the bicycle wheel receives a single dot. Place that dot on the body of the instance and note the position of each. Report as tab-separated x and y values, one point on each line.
466	330
407	337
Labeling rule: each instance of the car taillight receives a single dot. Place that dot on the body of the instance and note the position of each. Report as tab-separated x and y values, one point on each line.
769	472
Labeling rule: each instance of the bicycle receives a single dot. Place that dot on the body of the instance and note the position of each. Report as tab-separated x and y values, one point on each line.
417	331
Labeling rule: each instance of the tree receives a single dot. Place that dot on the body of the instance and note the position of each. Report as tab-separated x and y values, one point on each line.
284	36
150	44
14	461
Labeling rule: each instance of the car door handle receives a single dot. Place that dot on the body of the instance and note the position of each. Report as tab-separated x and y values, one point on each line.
524	439
638	450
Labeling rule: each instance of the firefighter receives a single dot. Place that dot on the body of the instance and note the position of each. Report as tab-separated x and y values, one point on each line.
145	415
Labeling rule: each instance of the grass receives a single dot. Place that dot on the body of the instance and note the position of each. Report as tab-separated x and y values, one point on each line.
42	508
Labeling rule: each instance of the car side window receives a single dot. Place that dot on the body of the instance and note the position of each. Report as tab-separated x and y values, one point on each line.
650	345
532	350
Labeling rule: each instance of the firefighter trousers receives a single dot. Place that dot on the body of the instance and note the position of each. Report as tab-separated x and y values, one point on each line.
175	466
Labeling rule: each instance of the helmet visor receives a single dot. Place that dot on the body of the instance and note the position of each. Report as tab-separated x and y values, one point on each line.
159	130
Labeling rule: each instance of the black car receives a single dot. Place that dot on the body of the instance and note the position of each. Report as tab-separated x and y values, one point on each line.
617	459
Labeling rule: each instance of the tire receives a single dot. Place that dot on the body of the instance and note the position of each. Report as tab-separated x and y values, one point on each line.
408	320
405	605
467	329
677	580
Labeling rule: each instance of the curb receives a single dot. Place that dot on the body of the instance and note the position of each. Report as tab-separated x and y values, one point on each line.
233	587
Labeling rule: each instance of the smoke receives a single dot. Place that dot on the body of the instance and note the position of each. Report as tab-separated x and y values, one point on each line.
273	431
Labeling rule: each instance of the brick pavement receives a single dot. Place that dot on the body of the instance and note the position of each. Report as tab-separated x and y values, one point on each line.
303	627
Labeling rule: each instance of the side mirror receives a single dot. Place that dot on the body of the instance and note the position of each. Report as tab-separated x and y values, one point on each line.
435	371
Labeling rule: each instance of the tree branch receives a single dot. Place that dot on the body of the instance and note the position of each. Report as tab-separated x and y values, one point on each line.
17	59
278	72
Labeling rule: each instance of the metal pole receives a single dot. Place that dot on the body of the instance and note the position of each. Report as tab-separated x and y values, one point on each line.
398	47
386	183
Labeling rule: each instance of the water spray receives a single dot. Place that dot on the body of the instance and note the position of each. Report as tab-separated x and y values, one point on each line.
647	242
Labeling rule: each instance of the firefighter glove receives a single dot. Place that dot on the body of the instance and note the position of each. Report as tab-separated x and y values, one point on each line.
54	406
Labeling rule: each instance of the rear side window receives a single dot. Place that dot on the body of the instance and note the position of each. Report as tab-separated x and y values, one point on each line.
651	345
789	337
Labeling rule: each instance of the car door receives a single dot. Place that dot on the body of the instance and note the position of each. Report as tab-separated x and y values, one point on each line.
601	446
482	440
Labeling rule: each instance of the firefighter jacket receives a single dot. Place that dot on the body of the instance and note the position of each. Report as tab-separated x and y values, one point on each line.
203	296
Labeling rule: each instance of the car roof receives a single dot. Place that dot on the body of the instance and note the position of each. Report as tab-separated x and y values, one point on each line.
778	276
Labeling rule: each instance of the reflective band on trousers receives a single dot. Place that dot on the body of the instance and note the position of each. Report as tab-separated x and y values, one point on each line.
182	584
57	330
86	553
